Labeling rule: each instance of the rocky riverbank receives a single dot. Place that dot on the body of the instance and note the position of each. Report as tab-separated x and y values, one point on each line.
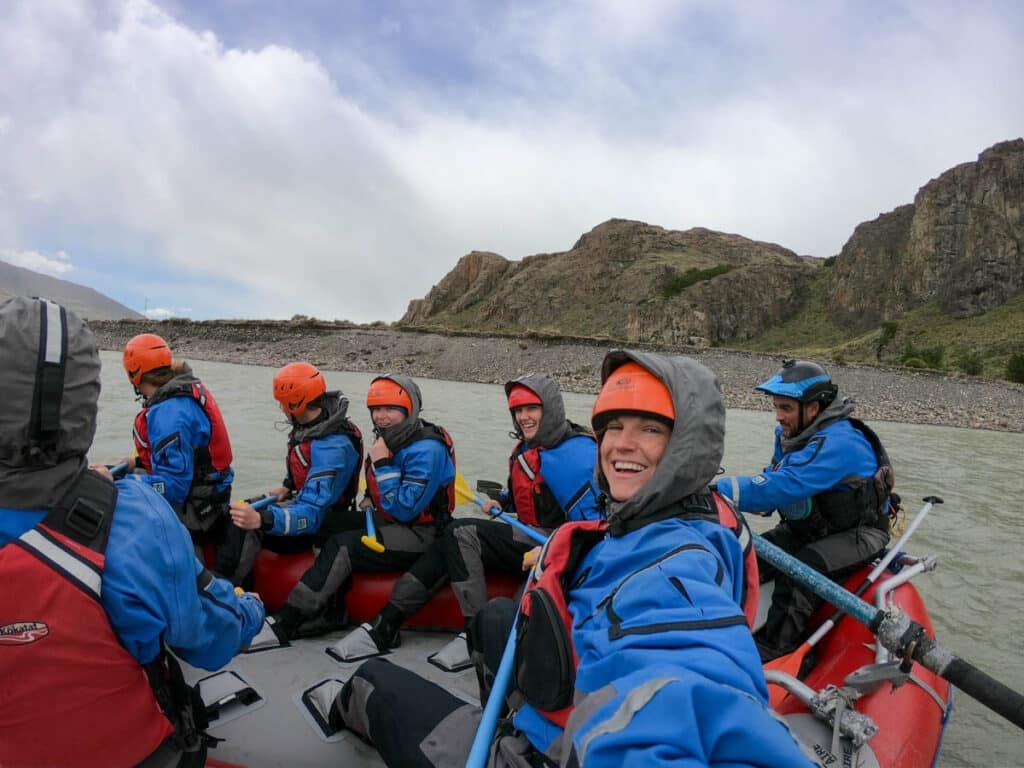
888	394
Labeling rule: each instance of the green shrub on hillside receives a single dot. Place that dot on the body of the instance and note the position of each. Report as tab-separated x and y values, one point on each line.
914	362
1015	368
928	357
679	283
889	328
886	335
970	363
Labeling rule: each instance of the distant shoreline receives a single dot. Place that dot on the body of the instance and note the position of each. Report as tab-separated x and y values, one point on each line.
887	394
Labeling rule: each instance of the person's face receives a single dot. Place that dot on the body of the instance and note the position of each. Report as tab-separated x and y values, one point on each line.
527	418
630	450
146	389
384	416
787	413
304	418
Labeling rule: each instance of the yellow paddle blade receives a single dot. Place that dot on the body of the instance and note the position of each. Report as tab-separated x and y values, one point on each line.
372	543
462	490
362	482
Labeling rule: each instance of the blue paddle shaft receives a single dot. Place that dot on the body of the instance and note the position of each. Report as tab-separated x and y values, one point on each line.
371	529
264	501
539	538
489	720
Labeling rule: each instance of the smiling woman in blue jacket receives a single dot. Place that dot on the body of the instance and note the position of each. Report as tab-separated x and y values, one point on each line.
633	646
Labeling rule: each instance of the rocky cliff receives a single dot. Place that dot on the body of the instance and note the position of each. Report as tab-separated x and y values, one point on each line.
960	245
626	280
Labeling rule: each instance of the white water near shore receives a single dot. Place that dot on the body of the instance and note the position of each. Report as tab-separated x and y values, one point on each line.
973	596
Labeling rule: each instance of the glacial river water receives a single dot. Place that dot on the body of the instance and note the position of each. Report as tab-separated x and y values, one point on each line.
975	595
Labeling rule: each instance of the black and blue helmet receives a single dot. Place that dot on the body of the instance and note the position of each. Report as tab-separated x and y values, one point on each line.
801	380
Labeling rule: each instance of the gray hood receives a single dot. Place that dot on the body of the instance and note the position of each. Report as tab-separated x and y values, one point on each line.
335	414
553	426
35	478
399	435
840	408
694	453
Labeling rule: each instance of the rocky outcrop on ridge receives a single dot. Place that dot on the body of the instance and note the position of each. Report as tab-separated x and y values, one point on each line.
626	280
960	244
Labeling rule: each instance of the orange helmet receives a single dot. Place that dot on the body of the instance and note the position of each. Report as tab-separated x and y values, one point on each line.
388	392
144	353
631	387
520	395
297	385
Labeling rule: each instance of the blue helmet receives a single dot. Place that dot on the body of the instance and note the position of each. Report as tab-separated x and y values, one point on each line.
803	381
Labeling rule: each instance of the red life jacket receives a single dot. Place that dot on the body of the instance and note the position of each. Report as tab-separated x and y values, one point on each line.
300	457
440	508
534	501
546	659
72	694
216	455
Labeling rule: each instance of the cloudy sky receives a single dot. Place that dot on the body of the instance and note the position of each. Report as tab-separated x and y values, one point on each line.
335	158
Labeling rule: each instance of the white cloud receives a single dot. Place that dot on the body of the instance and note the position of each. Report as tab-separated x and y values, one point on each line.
57	265
342	181
160	313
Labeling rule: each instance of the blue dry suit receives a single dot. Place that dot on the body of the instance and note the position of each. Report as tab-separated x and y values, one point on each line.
835	452
177	427
675	587
334	459
830	484
668	672
150	588
412	477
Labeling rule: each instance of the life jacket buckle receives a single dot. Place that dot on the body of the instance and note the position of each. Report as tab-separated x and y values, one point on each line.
84	518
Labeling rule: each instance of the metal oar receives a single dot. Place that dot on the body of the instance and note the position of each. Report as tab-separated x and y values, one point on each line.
791	662
902	636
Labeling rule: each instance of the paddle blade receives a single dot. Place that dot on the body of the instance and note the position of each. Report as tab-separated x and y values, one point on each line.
372	543
462	490
789	664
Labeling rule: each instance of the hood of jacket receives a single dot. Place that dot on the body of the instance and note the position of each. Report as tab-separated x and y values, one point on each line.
181	381
553	425
333	419
401	434
840	408
36	473
694	453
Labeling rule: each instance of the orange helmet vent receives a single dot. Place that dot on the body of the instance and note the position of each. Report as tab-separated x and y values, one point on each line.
631	387
144	353
296	385
388	392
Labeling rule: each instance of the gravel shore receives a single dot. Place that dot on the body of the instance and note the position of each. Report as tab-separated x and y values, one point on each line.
887	394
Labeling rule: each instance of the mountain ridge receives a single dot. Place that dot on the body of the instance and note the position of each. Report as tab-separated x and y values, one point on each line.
85	301
958	249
